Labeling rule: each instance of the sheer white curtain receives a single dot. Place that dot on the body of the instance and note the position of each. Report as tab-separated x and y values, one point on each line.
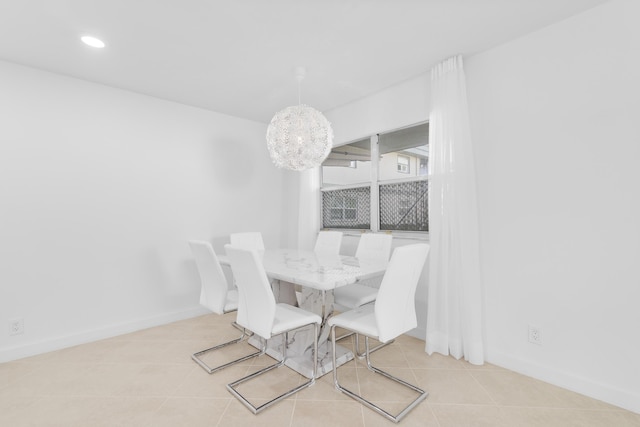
308	208
454	316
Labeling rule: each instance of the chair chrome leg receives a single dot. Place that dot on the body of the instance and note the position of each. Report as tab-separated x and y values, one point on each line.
211	370
241	329
258	409
395	418
357	346
347	335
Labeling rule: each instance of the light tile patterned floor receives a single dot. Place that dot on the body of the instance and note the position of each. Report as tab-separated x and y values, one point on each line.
147	378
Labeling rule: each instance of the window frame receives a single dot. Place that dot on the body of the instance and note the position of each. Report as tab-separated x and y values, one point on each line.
374	184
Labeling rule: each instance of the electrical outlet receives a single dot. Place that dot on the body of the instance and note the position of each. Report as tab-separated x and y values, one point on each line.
535	335
16	326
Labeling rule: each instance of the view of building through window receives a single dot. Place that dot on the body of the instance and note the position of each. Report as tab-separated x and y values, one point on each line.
386	190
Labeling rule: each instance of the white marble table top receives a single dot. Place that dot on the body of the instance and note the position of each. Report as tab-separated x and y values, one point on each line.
317	271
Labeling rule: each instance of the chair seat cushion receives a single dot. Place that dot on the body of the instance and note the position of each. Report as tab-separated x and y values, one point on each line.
355	295
289	317
231	302
361	320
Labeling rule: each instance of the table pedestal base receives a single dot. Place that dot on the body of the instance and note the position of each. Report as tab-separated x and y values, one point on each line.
300	341
302	361
304	365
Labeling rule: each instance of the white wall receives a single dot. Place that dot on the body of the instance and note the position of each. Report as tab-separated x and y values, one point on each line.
402	105
100	189
555	122
555	118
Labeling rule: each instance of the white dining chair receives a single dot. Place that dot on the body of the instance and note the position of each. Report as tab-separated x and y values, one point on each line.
253	240
247	240
328	243
259	313
216	296
392	314
372	248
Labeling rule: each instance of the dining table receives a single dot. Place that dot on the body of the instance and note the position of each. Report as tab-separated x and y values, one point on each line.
316	275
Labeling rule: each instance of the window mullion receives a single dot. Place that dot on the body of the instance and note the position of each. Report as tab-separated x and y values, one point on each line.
375	193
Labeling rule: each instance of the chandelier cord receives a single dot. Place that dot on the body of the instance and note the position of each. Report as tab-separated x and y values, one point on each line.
300	73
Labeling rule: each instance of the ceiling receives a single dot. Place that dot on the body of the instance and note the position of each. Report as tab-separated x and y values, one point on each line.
238	56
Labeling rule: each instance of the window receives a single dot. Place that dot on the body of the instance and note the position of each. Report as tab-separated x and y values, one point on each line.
378	183
404	206
423	167
403	164
343	207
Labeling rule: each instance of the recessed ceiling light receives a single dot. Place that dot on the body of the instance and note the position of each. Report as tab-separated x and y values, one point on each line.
92	41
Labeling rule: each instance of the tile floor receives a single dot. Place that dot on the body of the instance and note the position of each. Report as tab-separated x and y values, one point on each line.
147	378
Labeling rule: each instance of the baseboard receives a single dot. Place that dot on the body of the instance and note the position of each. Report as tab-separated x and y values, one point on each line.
622	398
44	346
419	333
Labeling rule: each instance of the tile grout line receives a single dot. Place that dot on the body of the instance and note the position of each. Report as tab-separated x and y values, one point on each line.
226	408
435	417
293	410
484	389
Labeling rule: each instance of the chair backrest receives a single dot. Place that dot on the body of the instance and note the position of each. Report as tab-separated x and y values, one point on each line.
256	305
374	248
328	242
249	240
214	287
395	309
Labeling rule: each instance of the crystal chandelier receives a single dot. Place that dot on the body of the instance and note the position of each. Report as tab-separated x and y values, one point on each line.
299	137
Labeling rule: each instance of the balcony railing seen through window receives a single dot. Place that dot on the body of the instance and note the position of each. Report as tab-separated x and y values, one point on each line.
403	206
347	208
